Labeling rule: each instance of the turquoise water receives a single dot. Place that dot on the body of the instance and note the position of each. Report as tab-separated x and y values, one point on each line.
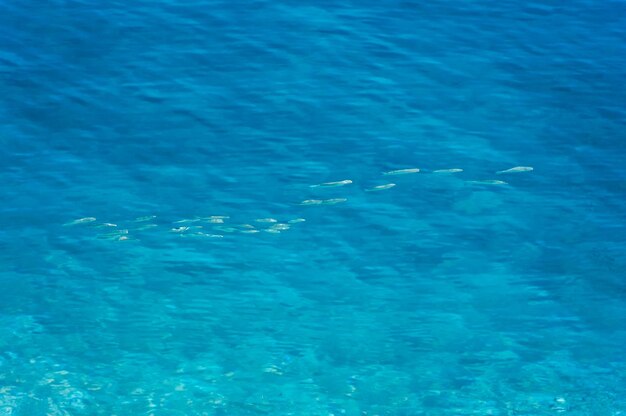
157	160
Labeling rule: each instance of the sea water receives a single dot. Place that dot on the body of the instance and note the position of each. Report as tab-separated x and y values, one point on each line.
164	249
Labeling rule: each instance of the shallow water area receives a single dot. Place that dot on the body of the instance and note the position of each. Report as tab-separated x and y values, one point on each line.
188	225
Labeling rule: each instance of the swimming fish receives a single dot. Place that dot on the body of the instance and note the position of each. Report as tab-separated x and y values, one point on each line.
186	221
489	182
202	234
146	227
334	201
215	219
297	220
266	220
402	171
115	235
381	187
332	184
197	234
81	221
226	229
516	169
145	218
280	227
179	229
453	170
107	224
214	235
272	369
312	202
331	201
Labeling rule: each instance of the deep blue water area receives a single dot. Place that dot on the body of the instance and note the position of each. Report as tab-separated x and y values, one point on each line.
215	208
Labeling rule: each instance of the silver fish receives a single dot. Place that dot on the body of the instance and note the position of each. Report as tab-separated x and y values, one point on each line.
226	229
489	182
215	219
207	235
381	187
401	171
332	184
81	221
145	218
334	201
453	170
107	224
331	201
186	221
146	227
280	227
312	202
516	169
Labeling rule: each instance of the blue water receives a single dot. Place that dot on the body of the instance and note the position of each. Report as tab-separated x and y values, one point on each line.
142	141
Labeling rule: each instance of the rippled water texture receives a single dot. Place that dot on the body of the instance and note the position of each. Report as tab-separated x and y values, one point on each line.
164	249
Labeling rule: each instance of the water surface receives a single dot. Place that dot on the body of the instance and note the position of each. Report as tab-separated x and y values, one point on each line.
446	294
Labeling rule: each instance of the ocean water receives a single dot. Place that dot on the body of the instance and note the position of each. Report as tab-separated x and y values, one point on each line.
164	251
